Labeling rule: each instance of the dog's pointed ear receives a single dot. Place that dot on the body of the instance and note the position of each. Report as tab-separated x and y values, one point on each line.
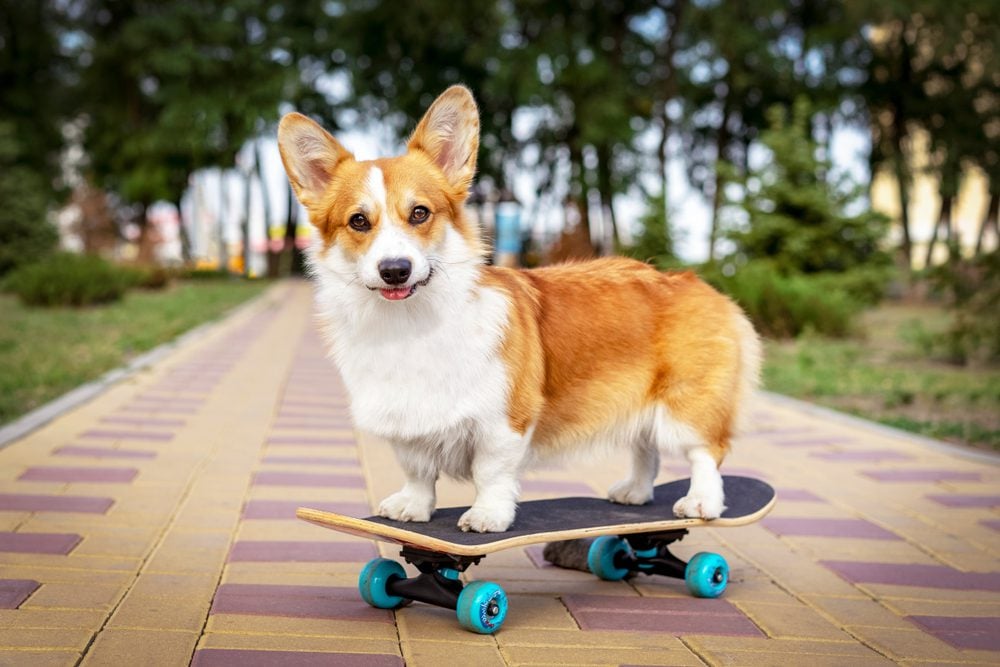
449	135
310	156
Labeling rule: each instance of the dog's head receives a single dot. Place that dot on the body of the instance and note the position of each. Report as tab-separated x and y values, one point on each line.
387	226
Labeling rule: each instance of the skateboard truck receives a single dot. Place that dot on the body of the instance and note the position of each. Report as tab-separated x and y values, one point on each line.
615	558
481	606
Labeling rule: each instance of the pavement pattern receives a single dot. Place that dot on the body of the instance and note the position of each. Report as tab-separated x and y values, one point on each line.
154	525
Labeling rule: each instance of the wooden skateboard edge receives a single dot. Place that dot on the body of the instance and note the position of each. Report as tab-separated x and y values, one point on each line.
401	536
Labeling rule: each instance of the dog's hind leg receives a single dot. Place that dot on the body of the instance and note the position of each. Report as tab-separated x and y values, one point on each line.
637	488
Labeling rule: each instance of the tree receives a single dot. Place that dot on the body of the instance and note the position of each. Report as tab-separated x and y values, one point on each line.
796	218
32	72
172	87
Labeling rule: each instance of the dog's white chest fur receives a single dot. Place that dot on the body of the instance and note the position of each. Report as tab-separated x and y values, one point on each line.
420	373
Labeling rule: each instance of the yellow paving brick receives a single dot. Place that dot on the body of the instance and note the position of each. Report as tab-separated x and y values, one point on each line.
279	625
12	658
781	659
34	638
195	585
150	648
902	644
552	637
538	655
53	575
162	612
910	607
419	653
857	611
61	595
299	643
788	621
421	621
801	649
537	612
26	617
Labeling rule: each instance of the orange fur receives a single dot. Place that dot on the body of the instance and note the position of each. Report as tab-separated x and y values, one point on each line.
590	344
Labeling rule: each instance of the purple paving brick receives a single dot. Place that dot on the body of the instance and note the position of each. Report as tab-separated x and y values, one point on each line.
798	496
864	455
143	421
103	452
909	574
15	591
308	440
311	426
821	527
311	460
991	523
534	554
282	478
963	500
676	616
25	502
70	474
233	657
285	509
980	633
287	403
116	434
922	475
275	551
296	601
39	543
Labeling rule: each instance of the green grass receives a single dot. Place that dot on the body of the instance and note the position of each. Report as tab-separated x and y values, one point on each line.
45	352
887	376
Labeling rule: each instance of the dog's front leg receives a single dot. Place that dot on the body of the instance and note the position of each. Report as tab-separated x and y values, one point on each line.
416	500
496	466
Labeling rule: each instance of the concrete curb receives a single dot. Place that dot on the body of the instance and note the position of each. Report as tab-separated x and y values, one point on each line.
43	414
882	429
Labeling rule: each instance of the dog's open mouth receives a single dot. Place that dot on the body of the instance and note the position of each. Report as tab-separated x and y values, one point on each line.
400	293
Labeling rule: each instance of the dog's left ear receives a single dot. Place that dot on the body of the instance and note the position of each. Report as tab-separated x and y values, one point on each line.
449	134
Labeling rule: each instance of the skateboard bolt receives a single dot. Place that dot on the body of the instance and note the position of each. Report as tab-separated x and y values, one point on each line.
493	609
717	577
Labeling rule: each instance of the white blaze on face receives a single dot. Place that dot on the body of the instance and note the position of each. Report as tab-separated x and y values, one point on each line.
391	238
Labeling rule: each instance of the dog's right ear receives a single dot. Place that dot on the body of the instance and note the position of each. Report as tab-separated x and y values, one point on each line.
310	156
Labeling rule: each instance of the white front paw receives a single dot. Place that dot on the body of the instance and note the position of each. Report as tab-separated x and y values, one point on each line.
481	520
402	506
700	506
628	492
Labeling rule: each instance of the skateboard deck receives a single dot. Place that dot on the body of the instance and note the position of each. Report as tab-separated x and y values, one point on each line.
557	519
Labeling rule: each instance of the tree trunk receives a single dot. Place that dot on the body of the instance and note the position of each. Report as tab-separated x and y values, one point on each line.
609	242
902	184
944	220
674	16
990	221
291	231
579	190
265	197
721	142
185	236
221	224
247	250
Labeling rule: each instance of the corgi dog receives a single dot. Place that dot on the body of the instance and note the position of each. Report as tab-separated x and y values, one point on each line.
475	371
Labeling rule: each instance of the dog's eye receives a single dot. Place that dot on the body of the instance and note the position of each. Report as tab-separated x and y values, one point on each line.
419	214
359	222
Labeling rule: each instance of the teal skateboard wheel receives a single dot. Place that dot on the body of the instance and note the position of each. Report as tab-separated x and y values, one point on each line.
482	607
601	557
373	581
706	575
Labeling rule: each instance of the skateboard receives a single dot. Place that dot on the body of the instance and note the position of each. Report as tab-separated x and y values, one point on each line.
630	540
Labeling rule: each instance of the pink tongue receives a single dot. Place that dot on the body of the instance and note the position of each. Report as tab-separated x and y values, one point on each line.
395	294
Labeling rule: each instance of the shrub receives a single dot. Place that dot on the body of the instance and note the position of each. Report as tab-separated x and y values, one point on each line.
65	279
148	277
972	289
786	306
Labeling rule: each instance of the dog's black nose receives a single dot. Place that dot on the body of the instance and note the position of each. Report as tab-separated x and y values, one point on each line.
395	271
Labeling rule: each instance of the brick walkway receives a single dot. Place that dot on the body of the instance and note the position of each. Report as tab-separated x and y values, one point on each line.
155	525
